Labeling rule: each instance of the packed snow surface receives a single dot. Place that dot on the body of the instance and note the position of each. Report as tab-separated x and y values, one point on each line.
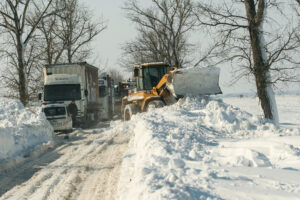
85	167
21	130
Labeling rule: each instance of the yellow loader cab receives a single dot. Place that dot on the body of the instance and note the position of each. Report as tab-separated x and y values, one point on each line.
150	89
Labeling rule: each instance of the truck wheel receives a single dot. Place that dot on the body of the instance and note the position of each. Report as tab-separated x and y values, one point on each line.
155	104
129	110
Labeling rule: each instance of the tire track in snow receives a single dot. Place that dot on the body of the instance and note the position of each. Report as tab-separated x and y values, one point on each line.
104	186
17	175
34	168
85	169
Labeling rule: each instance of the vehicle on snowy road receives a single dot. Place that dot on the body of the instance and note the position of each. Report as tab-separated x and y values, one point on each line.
159	84
73	81
106	96
59	117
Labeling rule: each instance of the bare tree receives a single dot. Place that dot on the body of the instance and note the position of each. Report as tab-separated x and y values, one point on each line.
145	48
116	75
250	47
255	16
76	29
50	44
9	77
163	29
66	36
14	16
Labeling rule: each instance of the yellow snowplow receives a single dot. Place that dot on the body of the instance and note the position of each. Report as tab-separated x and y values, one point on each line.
158	84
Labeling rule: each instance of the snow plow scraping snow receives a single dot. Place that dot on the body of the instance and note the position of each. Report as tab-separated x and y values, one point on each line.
158	84
194	81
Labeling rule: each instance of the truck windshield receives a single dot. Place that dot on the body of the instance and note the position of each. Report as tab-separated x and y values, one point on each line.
152	76
62	92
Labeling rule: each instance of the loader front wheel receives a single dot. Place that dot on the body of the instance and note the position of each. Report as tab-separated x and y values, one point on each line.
155	104
129	110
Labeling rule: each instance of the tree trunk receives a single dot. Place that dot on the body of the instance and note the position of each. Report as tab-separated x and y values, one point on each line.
69	55
261	68
22	73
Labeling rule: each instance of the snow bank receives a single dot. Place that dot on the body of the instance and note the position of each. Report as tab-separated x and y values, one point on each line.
288	107
21	130
205	149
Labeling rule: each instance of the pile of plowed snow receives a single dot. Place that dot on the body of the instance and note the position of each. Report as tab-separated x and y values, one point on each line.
21	130
192	149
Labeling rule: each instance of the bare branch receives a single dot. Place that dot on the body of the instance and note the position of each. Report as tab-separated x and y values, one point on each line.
163	28
34	26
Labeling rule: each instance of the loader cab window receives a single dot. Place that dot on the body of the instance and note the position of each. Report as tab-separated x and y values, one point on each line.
139	80
152	75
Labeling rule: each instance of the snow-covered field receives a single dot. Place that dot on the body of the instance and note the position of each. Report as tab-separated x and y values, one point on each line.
194	149
288	106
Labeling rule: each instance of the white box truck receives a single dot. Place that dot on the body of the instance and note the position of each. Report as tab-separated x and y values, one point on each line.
106	96
73	81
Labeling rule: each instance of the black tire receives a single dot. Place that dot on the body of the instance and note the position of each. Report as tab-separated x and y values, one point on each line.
69	131
129	110
155	104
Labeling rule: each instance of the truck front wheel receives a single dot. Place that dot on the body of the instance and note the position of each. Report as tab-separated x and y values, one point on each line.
129	110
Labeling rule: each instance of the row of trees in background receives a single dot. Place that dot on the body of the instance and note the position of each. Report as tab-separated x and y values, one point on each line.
257	37
35	32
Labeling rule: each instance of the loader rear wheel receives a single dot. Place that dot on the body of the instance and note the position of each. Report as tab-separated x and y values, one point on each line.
129	110
155	104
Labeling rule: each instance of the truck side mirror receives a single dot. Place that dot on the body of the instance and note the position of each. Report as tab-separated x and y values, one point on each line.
136	72
40	96
86	92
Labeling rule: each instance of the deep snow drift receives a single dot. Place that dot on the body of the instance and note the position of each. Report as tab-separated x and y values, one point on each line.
21	130
207	149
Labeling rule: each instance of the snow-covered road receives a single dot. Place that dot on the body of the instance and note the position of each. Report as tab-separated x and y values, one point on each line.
198	148
86	166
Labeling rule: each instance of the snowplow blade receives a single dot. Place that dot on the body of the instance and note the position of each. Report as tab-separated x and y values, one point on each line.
194	81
